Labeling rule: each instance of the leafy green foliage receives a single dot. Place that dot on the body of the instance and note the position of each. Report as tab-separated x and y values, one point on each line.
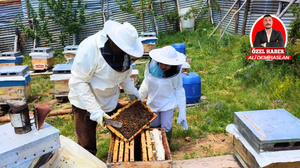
38	25
139	9
59	57
245	50
67	15
294	36
172	16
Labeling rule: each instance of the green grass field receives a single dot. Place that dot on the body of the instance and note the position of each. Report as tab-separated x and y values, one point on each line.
229	84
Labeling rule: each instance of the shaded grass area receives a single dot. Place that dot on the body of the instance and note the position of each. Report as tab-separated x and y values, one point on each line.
230	83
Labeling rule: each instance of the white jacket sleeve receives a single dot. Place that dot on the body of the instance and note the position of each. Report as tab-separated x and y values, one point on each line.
129	88
181	102
144	87
82	71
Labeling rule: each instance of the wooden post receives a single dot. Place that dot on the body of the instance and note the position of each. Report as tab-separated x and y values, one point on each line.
286	8
235	14
154	21
245	17
103	12
210	12
223	19
178	8
200	9
237	19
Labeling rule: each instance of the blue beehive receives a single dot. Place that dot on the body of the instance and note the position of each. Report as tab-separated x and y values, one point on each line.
149	41
60	77
62	69
14	75
192	86
148	37
15	82
180	47
70	53
11	58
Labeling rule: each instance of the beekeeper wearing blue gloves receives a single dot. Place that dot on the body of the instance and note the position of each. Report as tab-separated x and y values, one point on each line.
163	85
102	63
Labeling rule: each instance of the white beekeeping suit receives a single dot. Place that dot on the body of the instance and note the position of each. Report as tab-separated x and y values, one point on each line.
94	85
165	92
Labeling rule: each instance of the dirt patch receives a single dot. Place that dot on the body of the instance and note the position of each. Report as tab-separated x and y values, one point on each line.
212	145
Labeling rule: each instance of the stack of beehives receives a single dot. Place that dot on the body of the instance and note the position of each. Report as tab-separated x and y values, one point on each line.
70	53
14	83
42	58
10	59
60	77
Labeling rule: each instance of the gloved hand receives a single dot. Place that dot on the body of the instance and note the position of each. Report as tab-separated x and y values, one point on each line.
98	116
133	97
183	123
182	118
137	96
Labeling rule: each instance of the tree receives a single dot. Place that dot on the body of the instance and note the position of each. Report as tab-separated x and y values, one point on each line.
139	10
38	24
69	15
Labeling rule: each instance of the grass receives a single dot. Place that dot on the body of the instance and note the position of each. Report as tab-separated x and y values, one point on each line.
229	82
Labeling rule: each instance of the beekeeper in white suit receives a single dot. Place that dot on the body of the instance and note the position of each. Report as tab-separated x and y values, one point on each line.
102	63
163	85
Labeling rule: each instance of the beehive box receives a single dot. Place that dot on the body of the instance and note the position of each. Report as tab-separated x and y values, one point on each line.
42	58
139	152
70	52
149	41
60	78
15	83
20	150
134	118
248	157
10	59
269	130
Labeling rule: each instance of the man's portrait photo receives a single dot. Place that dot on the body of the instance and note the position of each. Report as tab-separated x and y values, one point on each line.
268	31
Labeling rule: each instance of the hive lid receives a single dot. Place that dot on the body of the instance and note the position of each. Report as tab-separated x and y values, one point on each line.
71	47
148	38
10	54
134	118
148	34
271	125
62	68
42	49
18	70
269	130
